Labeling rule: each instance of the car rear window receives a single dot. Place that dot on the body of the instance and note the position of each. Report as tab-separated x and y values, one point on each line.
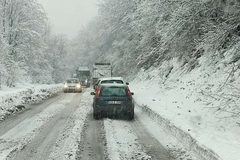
112	81
113	91
72	81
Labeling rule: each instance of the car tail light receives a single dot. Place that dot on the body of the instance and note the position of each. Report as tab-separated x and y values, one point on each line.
98	93
129	93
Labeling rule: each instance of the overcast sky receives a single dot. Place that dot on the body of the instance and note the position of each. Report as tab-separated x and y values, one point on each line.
69	16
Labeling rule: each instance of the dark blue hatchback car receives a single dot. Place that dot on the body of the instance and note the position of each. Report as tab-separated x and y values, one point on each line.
113	100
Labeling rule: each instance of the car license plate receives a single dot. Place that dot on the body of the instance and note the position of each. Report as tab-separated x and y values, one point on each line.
114	102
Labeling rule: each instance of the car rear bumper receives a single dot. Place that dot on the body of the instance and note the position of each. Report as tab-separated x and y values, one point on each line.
113	110
72	89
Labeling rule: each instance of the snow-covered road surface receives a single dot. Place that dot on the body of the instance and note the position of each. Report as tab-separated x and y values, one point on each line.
62	127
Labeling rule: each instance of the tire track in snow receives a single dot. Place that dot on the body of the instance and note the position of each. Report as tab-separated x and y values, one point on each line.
122	142
67	144
93	142
22	134
40	147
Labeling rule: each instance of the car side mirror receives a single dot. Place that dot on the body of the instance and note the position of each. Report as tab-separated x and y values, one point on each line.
127	83
92	93
132	93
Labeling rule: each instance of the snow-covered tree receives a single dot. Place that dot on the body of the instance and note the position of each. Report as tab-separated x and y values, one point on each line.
30	49
22	24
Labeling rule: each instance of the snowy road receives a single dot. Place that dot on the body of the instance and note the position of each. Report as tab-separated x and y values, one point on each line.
62	127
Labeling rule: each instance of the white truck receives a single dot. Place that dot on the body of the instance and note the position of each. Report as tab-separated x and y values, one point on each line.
101	70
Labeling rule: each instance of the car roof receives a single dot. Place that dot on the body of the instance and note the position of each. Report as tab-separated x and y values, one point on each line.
113	84
83	69
72	79
111	78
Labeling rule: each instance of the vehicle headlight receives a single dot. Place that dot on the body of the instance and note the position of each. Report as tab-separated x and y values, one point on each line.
78	86
65	86
86	81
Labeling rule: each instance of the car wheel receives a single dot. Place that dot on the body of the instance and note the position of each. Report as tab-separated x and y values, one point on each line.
131	116
110	116
95	116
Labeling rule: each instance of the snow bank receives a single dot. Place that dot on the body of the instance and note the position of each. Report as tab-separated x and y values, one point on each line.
197	107
14	100
186	139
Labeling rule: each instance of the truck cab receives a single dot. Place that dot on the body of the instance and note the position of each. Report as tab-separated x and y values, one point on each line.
84	76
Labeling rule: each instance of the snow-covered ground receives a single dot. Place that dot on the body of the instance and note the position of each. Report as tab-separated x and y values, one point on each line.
127	148
16	99
196	107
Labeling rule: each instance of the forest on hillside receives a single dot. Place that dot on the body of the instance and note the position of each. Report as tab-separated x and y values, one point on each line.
142	34
30	52
130	34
